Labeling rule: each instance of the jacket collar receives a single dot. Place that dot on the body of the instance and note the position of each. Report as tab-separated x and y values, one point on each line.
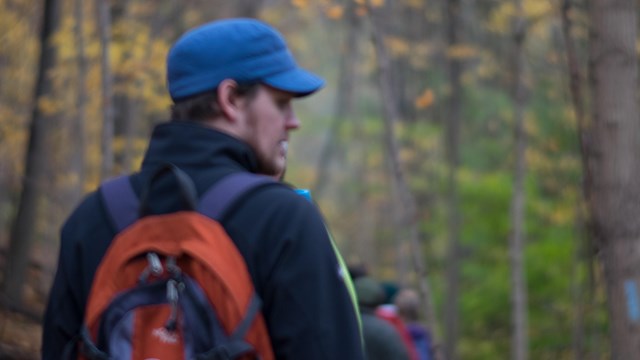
191	145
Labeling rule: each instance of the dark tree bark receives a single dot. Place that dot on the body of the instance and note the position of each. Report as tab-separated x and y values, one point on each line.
248	8
128	118
125	106
452	144
104	29
23	229
78	129
344	101
582	252
236	8
613	169
519	319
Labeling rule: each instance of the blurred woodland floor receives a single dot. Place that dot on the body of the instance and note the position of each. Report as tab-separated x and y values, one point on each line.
19	336
20	326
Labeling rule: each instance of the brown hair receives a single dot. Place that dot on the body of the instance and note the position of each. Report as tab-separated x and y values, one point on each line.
408	303
205	106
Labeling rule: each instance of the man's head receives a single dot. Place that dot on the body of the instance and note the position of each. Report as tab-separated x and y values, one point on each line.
369	292
408	303
239	76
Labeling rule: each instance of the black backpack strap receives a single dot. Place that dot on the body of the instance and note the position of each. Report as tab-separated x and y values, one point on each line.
252	311
123	205
89	349
236	346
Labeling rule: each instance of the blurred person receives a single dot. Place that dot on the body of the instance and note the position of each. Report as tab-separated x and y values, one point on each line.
357	270
407	303
382	341
388	311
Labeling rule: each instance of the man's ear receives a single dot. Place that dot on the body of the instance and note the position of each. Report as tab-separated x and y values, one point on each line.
228	99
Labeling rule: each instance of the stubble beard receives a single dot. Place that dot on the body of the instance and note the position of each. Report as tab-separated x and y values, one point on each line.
270	167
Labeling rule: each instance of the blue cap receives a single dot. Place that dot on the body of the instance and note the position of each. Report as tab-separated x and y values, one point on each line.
245	50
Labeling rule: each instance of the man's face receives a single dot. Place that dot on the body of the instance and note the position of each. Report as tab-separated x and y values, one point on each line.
269	117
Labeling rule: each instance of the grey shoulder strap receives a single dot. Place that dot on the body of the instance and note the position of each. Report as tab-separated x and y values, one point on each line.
122	203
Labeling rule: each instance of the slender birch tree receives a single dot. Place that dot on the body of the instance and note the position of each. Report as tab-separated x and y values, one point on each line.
452	135
582	252
344	99
78	128
519	318
104	29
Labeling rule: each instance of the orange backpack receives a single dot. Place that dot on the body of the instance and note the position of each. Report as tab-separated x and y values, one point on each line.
174	286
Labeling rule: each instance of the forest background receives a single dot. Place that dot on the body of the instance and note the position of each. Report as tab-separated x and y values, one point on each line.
448	152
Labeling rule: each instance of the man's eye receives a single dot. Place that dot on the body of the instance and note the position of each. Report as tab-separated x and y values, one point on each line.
283	104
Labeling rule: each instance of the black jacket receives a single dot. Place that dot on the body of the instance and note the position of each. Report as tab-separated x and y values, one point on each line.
281	235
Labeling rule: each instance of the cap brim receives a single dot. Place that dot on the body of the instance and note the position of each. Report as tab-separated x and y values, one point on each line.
298	81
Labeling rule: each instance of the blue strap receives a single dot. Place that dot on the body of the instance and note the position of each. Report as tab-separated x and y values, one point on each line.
123	204
121	201
226	191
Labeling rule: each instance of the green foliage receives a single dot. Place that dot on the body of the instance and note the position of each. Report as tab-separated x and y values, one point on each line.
486	129
485	269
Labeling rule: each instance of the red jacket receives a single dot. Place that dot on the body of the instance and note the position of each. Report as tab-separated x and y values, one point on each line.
389	314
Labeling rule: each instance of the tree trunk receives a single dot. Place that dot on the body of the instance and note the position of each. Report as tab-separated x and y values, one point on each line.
104	29
126	106
248	8
236	8
582	252
78	130
613	168
23	230
519	337
451	309
409	213
578	292
344	100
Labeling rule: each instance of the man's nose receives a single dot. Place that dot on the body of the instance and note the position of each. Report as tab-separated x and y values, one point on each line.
292	121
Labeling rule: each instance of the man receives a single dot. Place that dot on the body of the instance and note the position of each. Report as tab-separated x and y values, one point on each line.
232	83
